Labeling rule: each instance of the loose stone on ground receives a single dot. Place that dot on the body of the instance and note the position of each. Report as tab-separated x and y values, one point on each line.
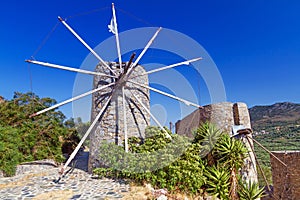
37	181
76	185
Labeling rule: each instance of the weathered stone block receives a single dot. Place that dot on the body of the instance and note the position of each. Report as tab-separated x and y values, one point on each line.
286	179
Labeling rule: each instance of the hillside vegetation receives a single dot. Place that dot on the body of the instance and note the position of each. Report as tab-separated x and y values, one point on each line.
276	115
277	127
24	139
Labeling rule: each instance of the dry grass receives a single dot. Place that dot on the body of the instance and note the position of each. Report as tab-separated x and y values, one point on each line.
22	181
138	192
57	195
146	193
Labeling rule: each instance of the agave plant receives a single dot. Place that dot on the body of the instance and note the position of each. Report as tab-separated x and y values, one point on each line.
207	136
218	181
250	191
230	153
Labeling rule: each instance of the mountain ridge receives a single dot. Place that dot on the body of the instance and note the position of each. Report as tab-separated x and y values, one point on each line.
278	114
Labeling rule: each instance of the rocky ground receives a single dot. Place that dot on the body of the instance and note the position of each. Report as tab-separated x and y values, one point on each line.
38	181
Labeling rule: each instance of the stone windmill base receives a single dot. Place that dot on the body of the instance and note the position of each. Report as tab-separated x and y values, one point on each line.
111	125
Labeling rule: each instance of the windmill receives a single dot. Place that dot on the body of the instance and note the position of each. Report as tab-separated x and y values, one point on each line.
122	80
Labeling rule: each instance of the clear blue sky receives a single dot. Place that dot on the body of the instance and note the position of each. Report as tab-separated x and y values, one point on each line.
255	44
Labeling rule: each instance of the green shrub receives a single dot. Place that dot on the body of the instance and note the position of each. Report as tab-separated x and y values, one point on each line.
207	164
24	139
178	172
9	153
180	161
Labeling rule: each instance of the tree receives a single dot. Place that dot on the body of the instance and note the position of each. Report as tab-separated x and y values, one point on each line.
34	138
81	128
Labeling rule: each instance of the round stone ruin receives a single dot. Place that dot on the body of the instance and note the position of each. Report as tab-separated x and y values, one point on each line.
111	124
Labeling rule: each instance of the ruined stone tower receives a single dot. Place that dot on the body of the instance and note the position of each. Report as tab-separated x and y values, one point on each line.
225	116
111	124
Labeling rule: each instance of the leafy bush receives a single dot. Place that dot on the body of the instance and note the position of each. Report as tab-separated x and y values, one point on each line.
155	161
9	154
207	164
24	139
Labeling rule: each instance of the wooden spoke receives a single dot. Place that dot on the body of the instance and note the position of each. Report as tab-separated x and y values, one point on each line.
86	135
144	51
125	119
188	103
68	68
114	23
72	99
85	44
152	116
188	62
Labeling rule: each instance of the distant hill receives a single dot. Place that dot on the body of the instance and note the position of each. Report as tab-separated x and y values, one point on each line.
278	114
276	127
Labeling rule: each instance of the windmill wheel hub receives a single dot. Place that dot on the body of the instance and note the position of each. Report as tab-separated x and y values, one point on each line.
122	80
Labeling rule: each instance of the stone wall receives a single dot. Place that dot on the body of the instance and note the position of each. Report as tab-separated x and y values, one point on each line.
33	167
286	180
219	114
111	124
241	117
224	115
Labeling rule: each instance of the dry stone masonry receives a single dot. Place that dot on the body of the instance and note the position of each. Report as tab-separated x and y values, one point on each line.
111	124
224	115
286	180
